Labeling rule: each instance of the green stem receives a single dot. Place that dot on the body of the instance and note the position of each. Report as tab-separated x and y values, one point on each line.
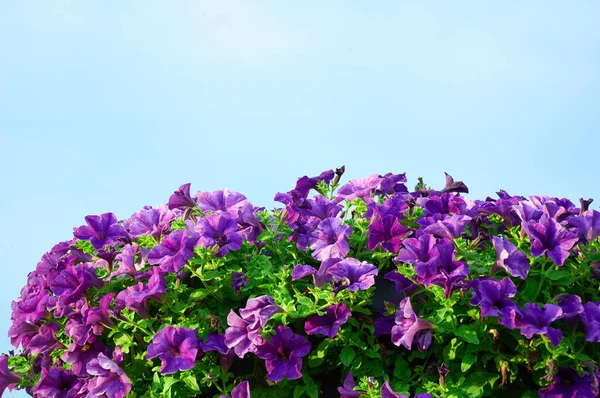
541	285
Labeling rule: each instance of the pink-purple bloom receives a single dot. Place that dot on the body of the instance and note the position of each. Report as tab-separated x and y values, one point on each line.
353	275
242	390
221	201
388	232
510	258
108	378
8	379
176	347
219	230
408	325
320	276
360	188
548	236
58	383
587	224
450	227
149	221
181	198
330	239
100	230
174	250
283	353
328	324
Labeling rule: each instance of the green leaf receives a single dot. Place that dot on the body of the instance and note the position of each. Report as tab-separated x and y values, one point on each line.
468	361
299	391
192	383
450	350
560	277
401	369
199	294
347	355
467	334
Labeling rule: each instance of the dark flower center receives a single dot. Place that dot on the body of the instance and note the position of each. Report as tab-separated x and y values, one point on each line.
222	240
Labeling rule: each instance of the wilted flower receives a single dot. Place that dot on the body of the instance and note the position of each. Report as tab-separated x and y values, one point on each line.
283	353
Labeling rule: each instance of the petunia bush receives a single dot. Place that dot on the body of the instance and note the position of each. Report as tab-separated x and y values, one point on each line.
362	289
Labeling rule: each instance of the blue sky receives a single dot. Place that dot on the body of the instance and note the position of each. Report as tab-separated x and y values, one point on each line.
110	106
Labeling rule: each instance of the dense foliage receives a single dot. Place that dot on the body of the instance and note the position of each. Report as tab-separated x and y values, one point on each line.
364	289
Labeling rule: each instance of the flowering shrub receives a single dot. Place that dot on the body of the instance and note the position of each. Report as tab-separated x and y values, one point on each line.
368	290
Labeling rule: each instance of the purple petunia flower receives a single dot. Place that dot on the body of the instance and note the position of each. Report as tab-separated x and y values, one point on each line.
174	250
570	305
591	319
510	258
181	198
176	347
136	296
536	320
587	224
450	227
419	250
73	282
245	329
402	283
221	201
330	240
238	281
109	378
100	230
242	390
442	270
492	295
283	354
45	341
347	389
547	236
320	276
392	183
328	324
353	274
388	231
384	325
360	188
8	379
78	356
149	221
127	263
408	324
216	342
58	383
567	383
387	392
250	225
219	230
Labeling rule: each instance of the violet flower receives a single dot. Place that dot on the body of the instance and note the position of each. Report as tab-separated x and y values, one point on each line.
328	324
8	379
591	319
242	390
109	378
330	240
73	282
587	224
283	353
392	183
567	383
221	201
448	227
389	232
510	258
536	320
100	230
216	342
547	236
181	198
78	356
360	188
442	270
492	296
58	383
174	250
401	282
418	250
387	392
149	221
408	324
219	230
176	347
127	263
238	281
45	341
135	297
244	329
347	389
320	276
353	274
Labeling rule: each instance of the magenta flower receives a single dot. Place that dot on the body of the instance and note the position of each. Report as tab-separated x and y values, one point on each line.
221	201
330	239
73	282
536	320
174	250
8	379
510	258
389	232
219	230
58	383
548	236
78	356
354	275
176	347
109	378
45	341
283	354
101	230
244	330
591	319
328	324
408	324
419	250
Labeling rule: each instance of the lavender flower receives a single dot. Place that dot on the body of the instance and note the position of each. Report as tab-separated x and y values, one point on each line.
100	230
149	221
283	354
109	378
328	324
510	258
177	348
353	274
136	297
587	224
408	324
330	240
360	188
219	230
174	250
221	201
449	226
419	250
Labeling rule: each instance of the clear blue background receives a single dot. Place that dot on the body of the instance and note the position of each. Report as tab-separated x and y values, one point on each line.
110	106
